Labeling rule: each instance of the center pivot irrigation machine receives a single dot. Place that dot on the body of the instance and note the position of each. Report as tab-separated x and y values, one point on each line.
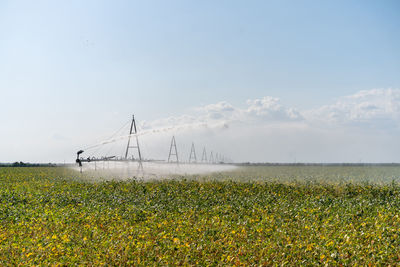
132	133
132	137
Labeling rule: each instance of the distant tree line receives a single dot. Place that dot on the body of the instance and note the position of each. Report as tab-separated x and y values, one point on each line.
27	164
315	164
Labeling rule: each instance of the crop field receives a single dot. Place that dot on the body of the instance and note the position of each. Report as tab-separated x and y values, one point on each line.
250	216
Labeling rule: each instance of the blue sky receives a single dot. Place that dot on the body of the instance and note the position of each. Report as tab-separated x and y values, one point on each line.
74	71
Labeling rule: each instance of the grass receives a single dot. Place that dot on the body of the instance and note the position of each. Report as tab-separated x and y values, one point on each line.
52	216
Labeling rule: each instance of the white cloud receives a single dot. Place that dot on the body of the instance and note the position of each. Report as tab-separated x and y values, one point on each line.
358	127
269	108
266	109
368	108
372	108
363	126
220	110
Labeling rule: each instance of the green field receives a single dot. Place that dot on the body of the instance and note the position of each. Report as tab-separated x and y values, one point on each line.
251	216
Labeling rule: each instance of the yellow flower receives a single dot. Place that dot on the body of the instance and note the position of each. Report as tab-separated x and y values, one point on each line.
66	238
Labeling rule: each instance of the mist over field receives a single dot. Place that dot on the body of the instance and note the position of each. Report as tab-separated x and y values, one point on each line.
150	171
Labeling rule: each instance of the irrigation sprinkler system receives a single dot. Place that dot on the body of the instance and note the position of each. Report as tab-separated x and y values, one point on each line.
133	147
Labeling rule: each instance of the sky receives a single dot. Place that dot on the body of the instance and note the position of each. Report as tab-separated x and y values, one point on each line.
276	81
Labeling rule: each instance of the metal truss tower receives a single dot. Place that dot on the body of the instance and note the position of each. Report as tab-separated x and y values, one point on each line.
204	156
192	156
173	151
212	158
133	133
